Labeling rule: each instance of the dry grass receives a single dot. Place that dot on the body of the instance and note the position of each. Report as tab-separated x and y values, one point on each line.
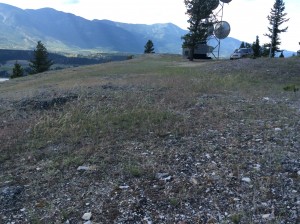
207	124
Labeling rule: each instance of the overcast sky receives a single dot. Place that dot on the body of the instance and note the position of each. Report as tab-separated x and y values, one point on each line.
248	18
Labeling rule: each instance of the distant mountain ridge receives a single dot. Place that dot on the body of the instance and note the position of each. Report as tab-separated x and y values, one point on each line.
60	31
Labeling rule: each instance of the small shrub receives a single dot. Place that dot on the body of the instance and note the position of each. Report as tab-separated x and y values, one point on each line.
291	88
174	202
236	218
135	171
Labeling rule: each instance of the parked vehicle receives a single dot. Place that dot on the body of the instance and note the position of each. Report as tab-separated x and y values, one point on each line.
242	53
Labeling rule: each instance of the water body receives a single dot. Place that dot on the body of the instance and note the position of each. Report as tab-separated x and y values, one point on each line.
3	79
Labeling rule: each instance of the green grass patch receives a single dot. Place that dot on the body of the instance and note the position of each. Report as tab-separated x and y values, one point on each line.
101	123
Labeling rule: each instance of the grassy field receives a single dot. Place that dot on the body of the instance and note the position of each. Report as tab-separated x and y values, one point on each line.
156	139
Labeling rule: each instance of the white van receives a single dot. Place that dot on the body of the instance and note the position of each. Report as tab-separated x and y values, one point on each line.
242	53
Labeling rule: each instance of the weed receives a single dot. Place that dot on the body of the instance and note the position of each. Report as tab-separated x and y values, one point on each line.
236	218
174	202
135	171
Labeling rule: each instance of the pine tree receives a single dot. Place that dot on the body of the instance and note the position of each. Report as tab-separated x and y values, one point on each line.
149	47
281	55
17	71
247	45
199	12
40	63
242	45
276	19
256	48
265	50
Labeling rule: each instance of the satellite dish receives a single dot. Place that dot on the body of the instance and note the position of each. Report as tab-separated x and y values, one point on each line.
226	1
222	30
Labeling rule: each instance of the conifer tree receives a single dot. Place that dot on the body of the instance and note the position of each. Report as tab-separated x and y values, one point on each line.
149	47
256	48
17	71
265	50
281	55
247	45
276	19
40	63
199	12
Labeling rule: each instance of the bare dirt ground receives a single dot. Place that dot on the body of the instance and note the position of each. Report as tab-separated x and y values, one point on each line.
153	140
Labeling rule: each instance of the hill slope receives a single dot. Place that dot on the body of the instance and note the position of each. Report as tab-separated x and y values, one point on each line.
154	139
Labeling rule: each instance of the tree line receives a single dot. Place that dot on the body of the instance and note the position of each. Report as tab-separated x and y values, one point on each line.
40	60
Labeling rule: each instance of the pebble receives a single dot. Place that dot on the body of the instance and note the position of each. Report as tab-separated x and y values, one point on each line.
267	216
257	167
278	129
87	216
194	181
266	98
163	176
246	179
207	156
85	168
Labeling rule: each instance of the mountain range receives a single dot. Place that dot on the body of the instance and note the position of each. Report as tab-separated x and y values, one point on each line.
66	32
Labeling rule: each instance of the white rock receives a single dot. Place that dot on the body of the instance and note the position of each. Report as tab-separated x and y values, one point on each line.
298	173
87	216
194	181
83	168
88	222
163	176
266	216
266	98
257	167
278	129
123	187
246	179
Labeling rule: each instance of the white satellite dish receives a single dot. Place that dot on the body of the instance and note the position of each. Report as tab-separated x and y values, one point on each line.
222	30
226	1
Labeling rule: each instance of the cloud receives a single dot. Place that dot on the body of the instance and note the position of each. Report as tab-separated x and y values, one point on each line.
71	1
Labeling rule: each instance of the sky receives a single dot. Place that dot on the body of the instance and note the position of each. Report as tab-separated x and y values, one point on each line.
247	18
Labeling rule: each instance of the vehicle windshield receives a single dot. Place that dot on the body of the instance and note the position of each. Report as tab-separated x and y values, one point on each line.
242	50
